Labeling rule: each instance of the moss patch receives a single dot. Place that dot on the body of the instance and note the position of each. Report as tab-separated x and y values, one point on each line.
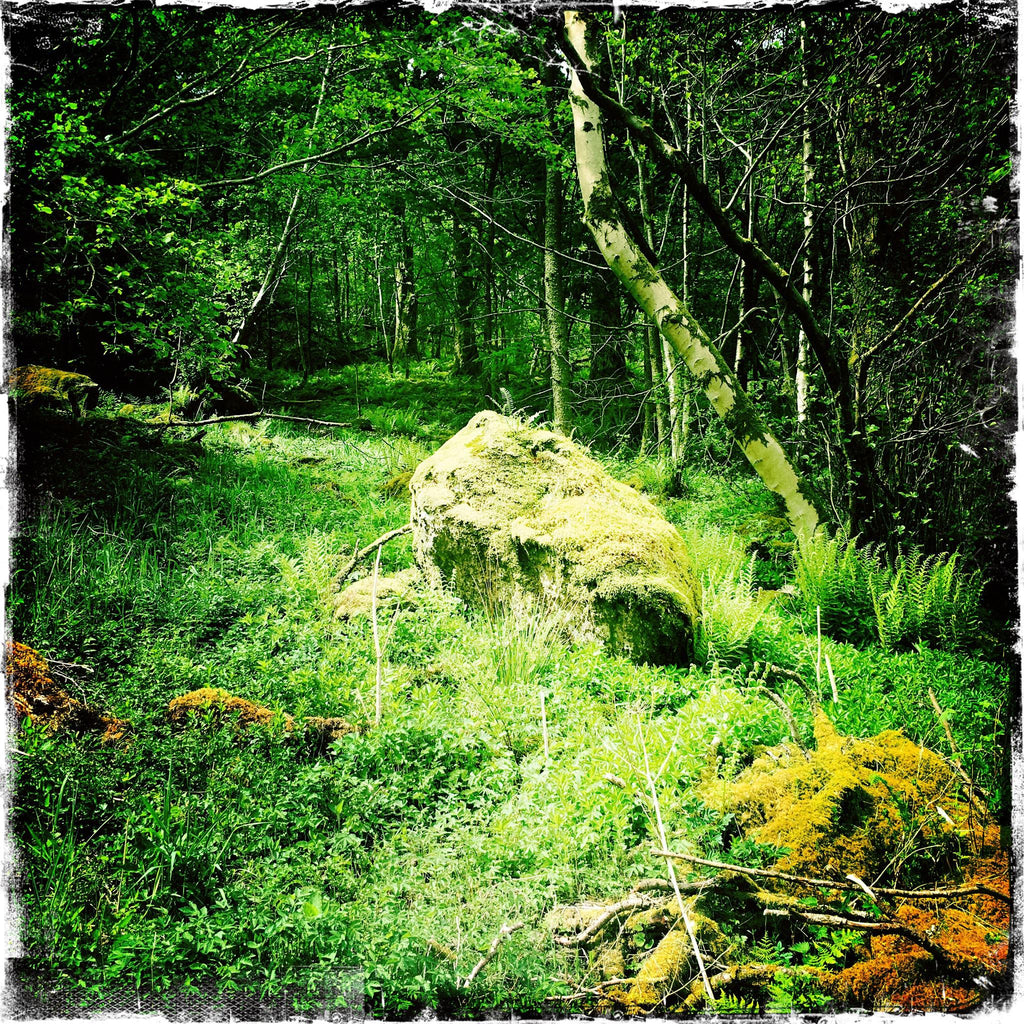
33	694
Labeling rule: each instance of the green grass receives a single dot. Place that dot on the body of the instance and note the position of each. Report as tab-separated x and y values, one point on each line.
207	856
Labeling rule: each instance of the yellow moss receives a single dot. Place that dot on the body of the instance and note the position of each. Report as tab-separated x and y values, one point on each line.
217	705
666	968
39	383
852	804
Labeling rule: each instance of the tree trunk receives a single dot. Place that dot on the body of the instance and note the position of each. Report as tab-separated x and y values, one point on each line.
607	360
747	335
338	342
803	388
677	405
554	280
467	356
406	344
275	270
645	283
554	298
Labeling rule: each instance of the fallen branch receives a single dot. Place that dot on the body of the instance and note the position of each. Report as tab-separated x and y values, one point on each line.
953	965
837	883
506	931
759	976
62	668
249	416
635	901
762	670
368	550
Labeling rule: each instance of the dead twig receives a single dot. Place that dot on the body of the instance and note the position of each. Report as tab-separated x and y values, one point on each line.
368	550
506	931
787	714
971	785
662	836
839	883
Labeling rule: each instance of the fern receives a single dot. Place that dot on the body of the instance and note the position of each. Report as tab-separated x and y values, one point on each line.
917	598
309	574
833	576
730	611
717	555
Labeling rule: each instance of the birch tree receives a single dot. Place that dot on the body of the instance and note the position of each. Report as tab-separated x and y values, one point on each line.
645	283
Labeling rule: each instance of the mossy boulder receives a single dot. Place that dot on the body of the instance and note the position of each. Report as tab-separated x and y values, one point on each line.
42	385
505	511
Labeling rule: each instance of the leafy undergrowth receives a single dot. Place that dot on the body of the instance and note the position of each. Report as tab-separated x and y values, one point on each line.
507	776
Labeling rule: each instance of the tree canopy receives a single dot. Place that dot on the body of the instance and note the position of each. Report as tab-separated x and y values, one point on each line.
207	195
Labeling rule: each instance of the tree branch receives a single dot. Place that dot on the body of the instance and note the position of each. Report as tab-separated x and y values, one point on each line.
746	248
369	549
177	104
250	416
864	363
826	883
506	931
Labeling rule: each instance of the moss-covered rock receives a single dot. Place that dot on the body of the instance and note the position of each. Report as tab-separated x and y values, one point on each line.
505	511
42	385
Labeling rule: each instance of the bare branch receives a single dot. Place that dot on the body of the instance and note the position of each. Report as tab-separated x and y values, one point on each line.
506	931
177	104
249	416
368	550
827	883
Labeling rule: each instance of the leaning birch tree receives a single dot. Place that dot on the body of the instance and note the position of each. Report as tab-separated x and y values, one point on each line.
645	283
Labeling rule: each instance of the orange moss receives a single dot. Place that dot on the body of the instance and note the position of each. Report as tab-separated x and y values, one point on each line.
43	383
32	693
866	807
214	704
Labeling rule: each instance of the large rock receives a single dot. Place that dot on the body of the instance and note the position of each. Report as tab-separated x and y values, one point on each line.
505	510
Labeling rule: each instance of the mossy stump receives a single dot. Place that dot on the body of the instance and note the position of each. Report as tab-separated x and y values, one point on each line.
33	694
505	511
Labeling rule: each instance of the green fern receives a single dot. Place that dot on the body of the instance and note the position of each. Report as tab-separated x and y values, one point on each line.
730	610
917	598
833	576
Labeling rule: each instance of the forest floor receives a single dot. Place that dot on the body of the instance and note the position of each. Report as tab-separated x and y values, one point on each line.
149	564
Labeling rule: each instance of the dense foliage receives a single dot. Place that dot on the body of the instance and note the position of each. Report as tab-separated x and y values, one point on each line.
346	217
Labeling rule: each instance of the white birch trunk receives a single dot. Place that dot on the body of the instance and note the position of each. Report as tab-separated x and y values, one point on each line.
689	342
802	352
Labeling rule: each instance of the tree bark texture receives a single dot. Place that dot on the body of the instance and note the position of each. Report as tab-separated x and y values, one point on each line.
554	283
